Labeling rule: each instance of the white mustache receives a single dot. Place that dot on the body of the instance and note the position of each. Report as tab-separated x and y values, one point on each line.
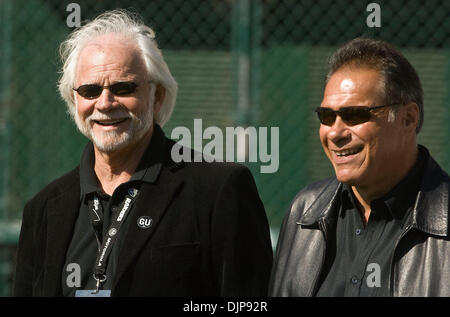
107	117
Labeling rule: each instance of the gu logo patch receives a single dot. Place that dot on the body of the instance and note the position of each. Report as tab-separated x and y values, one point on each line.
144	222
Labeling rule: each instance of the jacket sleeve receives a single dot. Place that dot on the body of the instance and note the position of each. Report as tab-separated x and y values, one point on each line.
242	251
23	276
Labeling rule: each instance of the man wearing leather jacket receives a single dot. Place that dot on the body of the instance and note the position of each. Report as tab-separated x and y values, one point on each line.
380	227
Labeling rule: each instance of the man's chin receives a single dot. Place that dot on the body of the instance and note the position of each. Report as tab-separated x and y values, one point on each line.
110	147
111	143
348	178
116	142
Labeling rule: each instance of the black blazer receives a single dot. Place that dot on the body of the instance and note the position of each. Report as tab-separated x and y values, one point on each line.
209	236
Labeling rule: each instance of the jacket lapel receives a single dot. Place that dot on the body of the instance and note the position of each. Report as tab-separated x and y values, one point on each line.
62	214
153	200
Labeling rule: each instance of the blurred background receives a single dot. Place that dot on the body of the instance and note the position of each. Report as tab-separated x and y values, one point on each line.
244	63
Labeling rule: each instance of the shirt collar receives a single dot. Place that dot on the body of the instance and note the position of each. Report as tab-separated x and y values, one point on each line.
148	168
402	197
151	162
347	199
88	179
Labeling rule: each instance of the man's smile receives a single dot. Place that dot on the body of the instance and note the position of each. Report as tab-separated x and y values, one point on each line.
348	151
110	123
346	155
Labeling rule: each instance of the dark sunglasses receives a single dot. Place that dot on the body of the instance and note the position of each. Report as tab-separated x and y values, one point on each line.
350	115
91	91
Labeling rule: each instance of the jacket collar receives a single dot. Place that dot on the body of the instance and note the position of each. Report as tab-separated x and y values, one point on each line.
430	212
322	207
431	207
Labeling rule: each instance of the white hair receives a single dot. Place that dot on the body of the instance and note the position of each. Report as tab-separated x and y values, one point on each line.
119	22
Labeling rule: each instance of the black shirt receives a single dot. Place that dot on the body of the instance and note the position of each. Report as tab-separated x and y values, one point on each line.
359	262
84	247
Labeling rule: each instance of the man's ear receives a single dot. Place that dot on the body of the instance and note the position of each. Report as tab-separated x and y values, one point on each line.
160	94
410	116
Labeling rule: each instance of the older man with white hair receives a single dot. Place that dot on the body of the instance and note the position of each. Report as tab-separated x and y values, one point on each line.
129	221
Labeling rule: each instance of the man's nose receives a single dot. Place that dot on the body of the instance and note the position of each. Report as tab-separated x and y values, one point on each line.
106	100
339	131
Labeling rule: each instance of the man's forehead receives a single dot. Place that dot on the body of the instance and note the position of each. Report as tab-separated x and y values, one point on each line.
351	77
116	54
110	44
347	84
354	83
111	39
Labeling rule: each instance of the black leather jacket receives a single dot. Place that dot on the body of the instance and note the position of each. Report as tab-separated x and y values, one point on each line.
421	262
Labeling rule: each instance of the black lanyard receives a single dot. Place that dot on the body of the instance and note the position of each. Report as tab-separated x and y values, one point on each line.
110	236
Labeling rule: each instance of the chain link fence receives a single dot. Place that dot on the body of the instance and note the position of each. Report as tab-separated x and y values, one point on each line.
244	63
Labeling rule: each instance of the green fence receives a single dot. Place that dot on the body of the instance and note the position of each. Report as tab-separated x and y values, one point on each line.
238	63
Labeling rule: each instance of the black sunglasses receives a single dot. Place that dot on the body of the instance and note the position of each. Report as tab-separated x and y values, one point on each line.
350	115
91	91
